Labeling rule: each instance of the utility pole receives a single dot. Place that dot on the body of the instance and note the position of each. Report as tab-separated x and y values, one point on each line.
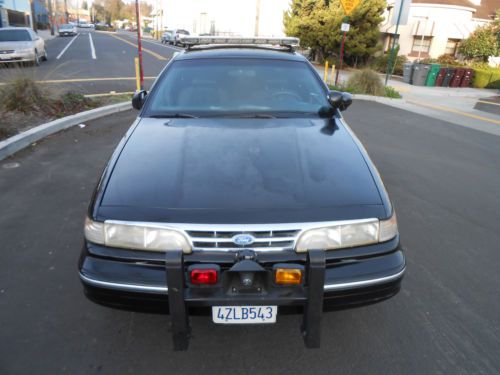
51	17
139	44
257	17
393	48
33	15
66	14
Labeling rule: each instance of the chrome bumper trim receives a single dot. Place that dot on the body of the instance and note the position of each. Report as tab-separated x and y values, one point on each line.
364	283
124	287
164	290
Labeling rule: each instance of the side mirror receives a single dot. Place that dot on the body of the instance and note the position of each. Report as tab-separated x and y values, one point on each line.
138	99
339	100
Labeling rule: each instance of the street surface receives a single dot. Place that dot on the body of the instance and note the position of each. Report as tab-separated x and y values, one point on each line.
444	180
95	62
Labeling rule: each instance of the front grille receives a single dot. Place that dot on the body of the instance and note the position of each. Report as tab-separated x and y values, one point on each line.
5	52
264	240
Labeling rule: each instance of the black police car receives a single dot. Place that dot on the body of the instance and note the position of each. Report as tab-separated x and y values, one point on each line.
241	188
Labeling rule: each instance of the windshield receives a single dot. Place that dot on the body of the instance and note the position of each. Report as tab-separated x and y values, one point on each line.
215	87
14	36
183	32
66	26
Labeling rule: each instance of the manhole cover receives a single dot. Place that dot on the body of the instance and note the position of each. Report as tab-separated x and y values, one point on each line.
11	165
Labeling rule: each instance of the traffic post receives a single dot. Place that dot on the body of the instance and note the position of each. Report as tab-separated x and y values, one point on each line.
344	28
139	44
349	6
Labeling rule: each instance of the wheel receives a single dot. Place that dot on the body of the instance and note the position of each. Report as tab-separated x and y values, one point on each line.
36	62
45	57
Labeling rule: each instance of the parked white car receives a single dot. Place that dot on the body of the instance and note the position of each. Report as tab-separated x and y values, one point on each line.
21	44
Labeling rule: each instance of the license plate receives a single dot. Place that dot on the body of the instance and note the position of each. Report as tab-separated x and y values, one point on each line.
244	314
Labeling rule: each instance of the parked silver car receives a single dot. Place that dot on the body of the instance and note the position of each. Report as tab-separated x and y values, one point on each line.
67	29
167	37
21	44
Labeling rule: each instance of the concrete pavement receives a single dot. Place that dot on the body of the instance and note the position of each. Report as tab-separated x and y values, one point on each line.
442	178
94	63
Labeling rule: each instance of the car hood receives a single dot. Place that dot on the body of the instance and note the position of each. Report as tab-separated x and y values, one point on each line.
15	45
249	170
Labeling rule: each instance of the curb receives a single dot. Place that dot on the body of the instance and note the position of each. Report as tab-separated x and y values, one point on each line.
379	99
13	144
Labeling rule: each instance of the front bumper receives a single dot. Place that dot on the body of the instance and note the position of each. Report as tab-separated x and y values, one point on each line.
329	281
16	57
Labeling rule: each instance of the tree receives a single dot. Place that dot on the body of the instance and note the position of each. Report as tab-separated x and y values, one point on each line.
483	42
317	24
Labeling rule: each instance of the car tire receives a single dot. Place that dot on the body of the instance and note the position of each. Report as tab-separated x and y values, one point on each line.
36	61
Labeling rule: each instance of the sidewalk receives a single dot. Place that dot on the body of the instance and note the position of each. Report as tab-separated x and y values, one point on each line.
45	34
455	105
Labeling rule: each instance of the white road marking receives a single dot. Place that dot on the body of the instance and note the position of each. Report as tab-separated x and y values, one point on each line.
67	46
92	49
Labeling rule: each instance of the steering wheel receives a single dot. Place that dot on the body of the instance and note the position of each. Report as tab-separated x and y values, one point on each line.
284	94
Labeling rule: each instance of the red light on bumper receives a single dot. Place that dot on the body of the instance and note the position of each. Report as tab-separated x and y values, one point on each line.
204	276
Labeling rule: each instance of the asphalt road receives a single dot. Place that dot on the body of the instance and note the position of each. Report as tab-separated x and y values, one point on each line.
443	178
72	66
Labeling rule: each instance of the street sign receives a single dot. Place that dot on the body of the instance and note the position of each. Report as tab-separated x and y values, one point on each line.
345	27
349	5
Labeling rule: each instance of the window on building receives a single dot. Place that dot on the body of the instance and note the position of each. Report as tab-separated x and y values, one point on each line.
391	40
451	47
421	45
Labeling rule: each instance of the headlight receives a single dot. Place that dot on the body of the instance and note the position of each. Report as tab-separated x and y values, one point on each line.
348	234
137	237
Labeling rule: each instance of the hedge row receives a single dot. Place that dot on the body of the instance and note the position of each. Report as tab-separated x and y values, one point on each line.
486	78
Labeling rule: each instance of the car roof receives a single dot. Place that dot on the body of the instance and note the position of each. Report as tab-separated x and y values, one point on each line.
213	52
15	28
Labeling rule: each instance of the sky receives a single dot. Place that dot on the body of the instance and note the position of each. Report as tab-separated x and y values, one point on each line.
234	16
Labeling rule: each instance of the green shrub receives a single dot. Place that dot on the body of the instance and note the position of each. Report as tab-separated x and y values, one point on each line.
486	78
104	28
367	82
391	92
380	64
449	60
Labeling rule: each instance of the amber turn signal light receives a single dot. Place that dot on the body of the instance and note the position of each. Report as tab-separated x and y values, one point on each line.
288	276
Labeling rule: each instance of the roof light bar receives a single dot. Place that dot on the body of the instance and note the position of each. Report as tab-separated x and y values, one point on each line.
211	40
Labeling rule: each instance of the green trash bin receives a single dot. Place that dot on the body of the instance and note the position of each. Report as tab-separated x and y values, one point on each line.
433	73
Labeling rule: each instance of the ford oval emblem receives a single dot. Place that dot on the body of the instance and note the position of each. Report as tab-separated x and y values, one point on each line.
243	239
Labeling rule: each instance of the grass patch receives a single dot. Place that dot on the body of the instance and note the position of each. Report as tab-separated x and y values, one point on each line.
25	104
367	82
391	92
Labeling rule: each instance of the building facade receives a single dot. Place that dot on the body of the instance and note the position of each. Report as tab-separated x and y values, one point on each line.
15	13
436	27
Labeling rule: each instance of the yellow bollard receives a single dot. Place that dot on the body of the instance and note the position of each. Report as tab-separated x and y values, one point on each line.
137	74
325	75
332	77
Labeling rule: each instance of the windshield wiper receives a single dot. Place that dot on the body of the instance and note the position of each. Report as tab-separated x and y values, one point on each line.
174	115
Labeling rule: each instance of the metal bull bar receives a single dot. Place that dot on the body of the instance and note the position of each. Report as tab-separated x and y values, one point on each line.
310	295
